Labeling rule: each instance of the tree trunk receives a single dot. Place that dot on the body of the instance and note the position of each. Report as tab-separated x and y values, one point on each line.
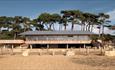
89	26
99	32
81	27
25	27
86	28
50	25
72	27
15	35
65	25
92	28
102	29
59	27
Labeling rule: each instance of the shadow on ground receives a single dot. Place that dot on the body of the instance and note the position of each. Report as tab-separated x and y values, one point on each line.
95	60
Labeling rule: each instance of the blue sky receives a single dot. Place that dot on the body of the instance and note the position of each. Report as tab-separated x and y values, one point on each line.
32	8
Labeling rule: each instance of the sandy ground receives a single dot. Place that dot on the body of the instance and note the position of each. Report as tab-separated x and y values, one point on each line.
57	62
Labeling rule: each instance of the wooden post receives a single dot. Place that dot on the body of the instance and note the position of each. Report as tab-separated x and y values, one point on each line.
47	47
4	46
20	47
67	46
1	49
12	48
30	46
84	46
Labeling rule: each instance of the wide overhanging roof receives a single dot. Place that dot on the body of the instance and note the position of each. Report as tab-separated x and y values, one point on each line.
56	33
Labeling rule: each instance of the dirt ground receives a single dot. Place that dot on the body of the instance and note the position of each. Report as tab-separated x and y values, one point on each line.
56	62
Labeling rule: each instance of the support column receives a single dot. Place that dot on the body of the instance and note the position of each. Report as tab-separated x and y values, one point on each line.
31	47
20	47
4	46
67	46
84	46
47	46
1	49
12	48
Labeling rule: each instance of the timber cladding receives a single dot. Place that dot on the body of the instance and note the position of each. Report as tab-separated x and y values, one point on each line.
58	42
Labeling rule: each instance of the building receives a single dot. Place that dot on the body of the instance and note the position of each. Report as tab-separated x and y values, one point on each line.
112	27
57	39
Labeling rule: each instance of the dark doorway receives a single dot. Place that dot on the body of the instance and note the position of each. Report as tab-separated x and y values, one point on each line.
62	45
53	45
39	46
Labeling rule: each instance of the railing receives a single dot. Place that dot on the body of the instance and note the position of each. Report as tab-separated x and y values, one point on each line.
11	41
45	42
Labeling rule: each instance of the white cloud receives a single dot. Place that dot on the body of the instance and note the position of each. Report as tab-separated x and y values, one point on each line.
112	19
112	15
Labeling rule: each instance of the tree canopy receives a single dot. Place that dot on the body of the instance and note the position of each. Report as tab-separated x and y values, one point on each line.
10	27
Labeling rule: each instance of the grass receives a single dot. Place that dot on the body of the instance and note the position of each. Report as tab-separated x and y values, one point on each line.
95	61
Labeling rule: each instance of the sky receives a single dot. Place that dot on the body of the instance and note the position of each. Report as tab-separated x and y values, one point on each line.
33	8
